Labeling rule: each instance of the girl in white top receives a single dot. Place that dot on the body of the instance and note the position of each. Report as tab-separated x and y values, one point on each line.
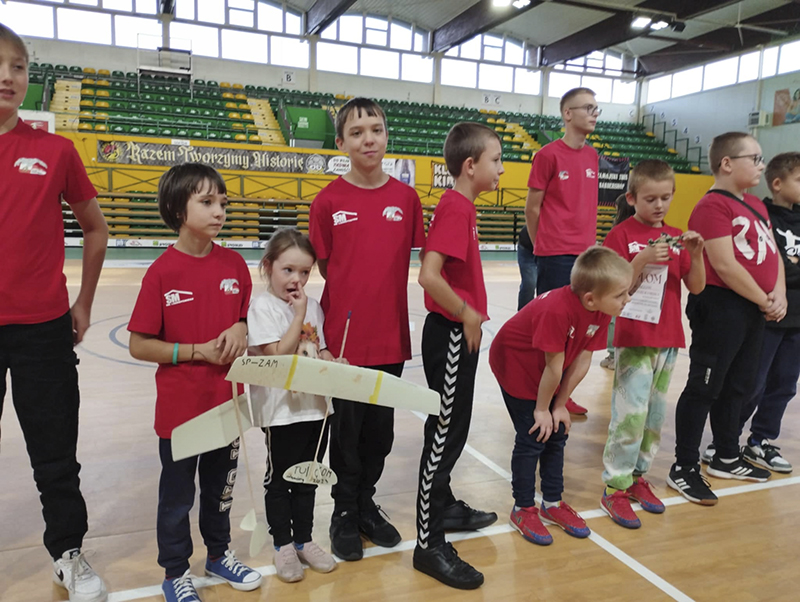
284	321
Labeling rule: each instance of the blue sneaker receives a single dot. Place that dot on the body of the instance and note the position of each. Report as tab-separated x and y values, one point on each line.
238	576
180	589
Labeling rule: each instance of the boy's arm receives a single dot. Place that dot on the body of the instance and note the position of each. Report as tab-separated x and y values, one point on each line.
322	264
551	377
533	206
149	348
777	310
430	279
572	377
95	242
722	259
695	278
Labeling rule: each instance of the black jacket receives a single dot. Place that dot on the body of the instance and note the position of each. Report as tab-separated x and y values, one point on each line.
786	227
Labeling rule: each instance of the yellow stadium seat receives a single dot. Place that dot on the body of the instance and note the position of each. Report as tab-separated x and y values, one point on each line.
241	97
101	115
89	70
85	126
500	119
103	82
227	95
254	138
250	126
224	85
244	106
238	87
88	81
102	93
507	138
240	137
104	73
100	127
490	120
101	104
87	92
234	116
237	126
86	114
231	105
87	103
248	116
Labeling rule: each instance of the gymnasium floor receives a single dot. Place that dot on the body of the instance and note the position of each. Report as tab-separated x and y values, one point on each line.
744	549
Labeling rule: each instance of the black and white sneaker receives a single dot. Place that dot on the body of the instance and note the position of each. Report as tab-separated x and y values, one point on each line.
738	469
692	485
767	455
708	454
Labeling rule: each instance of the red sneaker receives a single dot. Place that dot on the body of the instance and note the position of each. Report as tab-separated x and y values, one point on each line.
574	408
618	507
528	523
566	518
641	492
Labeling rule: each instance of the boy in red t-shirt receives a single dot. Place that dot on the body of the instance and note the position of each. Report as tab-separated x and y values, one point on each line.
561	207
455	296
539	356
190	318
363	226
745	280
647	337
38	329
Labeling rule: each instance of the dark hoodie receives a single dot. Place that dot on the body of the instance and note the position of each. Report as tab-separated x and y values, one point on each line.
786	227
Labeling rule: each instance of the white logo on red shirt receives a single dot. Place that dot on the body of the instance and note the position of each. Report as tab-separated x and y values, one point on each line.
590	173
593	328
636	247
563	175
229	286
35	167
175	297
792	244
393	214
764	239
344	217
571	331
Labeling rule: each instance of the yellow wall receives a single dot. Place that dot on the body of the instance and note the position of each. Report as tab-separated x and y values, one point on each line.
127	178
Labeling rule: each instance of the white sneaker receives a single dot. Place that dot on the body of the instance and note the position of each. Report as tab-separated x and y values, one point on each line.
317	558
73	573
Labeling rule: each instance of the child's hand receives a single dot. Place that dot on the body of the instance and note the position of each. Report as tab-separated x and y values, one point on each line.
561	416
472	328
232	343
299	301
693	242
542	420
328	357
656	253
776	310
208	352
793	259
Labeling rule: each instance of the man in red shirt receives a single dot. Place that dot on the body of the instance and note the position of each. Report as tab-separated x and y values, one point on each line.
745	284
38	329
363	226
561	207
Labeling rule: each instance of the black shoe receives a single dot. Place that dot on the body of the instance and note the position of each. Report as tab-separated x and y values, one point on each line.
739	469
443	564
460	517
692	485
377	529
345	540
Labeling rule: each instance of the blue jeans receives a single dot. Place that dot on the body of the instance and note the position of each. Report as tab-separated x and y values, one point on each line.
776	383
554	271
528	452
528	273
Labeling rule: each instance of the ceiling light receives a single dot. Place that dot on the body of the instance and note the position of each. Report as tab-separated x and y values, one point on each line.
501	3
641	22
521	3
655	26
678	26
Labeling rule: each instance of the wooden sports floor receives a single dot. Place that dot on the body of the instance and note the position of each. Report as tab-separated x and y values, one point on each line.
744	549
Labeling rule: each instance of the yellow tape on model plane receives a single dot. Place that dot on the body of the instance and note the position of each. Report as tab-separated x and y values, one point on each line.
318	377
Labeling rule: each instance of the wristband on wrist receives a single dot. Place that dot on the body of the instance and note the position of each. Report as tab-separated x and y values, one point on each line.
175	354
461	311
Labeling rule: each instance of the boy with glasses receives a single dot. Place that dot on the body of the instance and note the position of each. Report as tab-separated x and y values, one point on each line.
561	207
745	285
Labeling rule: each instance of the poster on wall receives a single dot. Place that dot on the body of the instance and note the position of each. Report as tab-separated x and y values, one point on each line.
786	108
39	120
440	175
613	179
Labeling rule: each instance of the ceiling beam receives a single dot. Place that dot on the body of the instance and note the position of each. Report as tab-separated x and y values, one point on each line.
477	19
325	12
617	29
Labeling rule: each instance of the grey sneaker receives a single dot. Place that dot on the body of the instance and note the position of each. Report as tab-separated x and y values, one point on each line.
73	573
767	455
708	454
317	558
609	362
287	564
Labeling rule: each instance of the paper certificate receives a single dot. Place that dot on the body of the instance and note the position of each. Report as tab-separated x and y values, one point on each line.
645	304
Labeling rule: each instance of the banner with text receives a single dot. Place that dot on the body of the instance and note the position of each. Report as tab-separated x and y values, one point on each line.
440	176
613	179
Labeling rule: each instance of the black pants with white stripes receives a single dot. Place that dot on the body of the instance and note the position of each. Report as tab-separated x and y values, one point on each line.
450	370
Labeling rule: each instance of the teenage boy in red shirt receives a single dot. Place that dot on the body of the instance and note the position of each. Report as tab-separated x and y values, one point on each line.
363	226
745	284
561	207
455	296
38	329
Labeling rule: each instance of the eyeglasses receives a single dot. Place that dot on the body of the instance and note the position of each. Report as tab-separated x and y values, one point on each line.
590	109
757	159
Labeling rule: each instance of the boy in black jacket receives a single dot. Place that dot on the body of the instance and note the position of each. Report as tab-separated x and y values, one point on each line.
778	373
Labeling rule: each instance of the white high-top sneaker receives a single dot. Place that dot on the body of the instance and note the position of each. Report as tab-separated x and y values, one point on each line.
73	573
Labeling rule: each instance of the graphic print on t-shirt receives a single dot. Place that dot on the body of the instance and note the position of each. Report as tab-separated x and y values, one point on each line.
309	341
791	242
393	214
764	239
229	286
35	167
344	217
174	297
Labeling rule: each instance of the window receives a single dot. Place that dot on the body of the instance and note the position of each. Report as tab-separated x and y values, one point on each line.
351	29
471	49
417	68
613	64
748	66
242	4
420	42
527	81
400	36
380	63
595	62
687	82
289	52
243	46
459	73
659	88
329	33
514	53
561	83
495	77
790	58
493	48
624	92
184	9
600	85
83	26
85	2
293	23
242	18
28	19
202	41
769	63
270	18
337	58
146	7
127	30
376	31
721	73
122	5
211	11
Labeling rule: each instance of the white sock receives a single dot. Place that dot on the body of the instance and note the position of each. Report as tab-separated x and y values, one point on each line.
728	460
547	504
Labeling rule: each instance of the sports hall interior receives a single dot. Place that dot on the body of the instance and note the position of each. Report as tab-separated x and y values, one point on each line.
253	87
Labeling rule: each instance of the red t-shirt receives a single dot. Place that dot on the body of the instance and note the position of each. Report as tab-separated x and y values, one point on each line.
554	322
187	300
628	239
453	231
37	169
568	217
367	236
720	214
